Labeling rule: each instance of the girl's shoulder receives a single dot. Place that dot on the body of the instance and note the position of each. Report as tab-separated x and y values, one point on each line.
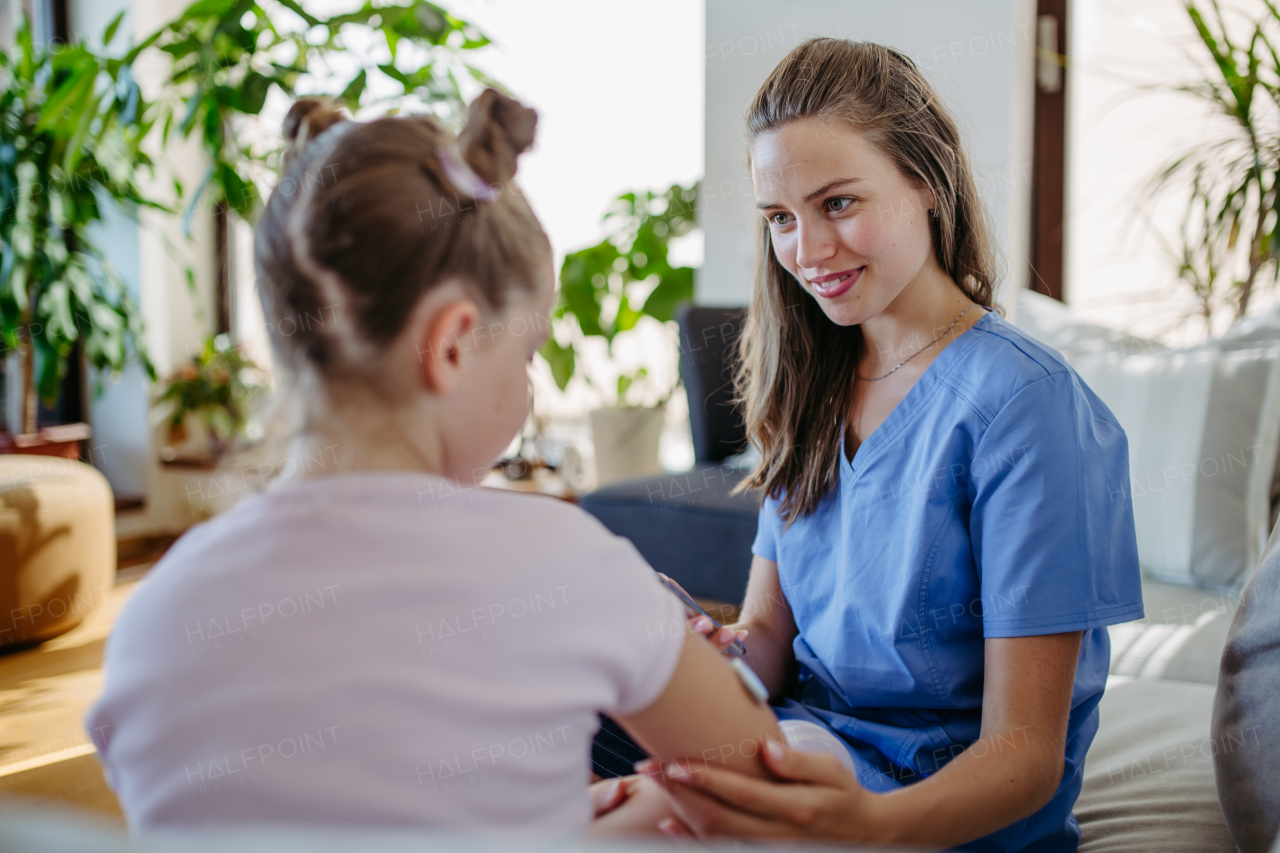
393	518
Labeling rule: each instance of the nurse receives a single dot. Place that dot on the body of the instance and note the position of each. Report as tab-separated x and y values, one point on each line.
948	527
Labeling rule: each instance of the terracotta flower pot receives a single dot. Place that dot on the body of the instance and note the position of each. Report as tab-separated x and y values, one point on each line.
65	441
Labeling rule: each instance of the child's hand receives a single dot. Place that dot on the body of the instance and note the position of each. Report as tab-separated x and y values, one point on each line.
633	805
700	624
608	794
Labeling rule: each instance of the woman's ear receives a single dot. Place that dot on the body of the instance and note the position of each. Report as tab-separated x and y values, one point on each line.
447	337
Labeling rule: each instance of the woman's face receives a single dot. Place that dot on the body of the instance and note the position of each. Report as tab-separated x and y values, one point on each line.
850	227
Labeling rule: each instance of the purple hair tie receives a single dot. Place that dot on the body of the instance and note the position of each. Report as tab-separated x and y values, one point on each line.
459	173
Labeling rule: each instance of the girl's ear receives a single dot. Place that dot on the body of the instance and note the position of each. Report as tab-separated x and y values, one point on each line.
448	335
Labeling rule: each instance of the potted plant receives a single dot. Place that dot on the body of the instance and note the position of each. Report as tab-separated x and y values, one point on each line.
208	402
71	123
228	54
607	289
1229	236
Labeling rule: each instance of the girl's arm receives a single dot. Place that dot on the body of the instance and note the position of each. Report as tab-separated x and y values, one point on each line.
1009	773
766	616
705	713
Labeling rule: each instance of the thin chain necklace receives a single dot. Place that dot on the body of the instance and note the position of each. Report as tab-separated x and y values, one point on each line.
922	349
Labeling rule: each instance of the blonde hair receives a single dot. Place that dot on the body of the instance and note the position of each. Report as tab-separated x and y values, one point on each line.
797	368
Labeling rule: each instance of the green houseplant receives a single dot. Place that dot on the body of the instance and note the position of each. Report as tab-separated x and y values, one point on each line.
228	54
216	390
71	123
605	290
1229	234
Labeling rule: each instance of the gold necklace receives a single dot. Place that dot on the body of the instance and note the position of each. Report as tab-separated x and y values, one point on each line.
922	349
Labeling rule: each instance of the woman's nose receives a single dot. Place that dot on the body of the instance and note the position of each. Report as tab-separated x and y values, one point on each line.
814	244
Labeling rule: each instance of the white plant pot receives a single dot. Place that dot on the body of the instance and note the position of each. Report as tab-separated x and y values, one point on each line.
626	442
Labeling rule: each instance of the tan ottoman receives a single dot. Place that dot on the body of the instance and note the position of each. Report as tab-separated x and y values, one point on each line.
57	546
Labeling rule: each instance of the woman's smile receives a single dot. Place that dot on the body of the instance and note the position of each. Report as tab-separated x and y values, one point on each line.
833	285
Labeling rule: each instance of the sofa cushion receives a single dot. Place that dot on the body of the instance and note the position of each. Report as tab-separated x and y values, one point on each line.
1203	426
1050	321
1246	715
1180	638
1148	777
687	526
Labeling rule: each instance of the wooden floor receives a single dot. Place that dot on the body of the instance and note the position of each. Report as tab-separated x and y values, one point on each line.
45	692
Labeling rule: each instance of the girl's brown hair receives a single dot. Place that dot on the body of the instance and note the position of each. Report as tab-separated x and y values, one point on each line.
797	369
369	216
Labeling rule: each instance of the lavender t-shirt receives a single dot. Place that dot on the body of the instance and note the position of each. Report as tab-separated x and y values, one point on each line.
380	649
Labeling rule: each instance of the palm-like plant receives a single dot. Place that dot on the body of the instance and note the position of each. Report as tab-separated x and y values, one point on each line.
71	123
1231	224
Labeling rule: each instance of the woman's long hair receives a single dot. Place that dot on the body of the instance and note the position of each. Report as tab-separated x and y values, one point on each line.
797	368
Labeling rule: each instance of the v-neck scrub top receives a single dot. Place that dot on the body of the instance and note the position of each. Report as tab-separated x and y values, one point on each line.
993	501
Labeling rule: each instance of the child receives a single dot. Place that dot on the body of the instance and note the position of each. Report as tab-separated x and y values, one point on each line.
948	529
374	640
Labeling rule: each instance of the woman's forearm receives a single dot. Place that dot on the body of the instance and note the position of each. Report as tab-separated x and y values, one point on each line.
1013	769
1000	779
771	628
769	656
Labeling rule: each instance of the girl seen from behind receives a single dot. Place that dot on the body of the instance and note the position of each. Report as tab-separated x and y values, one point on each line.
373	641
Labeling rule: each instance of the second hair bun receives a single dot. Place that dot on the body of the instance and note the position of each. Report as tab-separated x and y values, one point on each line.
498	130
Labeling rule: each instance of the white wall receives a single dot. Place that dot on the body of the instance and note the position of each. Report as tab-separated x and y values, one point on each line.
977	54
120	446
150	258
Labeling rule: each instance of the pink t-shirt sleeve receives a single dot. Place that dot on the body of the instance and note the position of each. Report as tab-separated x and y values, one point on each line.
664	622
638	624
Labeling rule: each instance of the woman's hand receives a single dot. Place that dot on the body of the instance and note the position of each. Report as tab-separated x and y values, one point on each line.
819	798
700	624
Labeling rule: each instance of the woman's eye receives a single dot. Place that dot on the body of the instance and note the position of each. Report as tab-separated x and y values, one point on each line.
836	205
778	219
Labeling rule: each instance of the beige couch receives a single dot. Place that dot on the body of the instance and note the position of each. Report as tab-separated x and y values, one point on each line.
1149	776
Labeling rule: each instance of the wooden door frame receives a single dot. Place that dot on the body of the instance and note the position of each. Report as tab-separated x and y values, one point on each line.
1049	160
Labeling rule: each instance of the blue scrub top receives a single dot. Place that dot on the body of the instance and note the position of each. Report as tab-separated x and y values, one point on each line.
992	502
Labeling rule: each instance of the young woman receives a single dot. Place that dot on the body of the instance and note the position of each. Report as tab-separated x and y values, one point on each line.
948	527
375	641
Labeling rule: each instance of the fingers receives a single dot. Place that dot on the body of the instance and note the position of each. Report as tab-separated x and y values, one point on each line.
668	579
722	638
672	828
606	795
702	625
815	768
736	792
705	816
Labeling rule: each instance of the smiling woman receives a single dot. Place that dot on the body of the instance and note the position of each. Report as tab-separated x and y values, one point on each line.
946	523
852	217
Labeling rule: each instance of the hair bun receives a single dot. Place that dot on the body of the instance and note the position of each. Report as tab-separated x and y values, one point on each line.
308	118
498	130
